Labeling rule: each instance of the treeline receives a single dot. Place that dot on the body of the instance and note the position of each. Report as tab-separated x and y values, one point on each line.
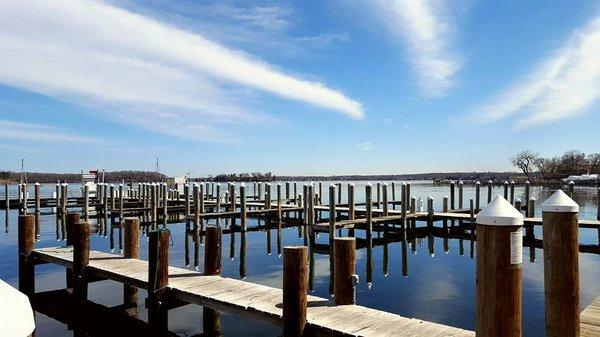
239	177
572	162
435	176
111	177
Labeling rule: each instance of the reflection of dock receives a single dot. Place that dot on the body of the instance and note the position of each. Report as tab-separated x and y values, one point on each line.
248	299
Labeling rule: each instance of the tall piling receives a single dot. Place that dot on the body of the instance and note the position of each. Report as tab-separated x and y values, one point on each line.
158	279
26	244
295	288
344	250
211	319
131	250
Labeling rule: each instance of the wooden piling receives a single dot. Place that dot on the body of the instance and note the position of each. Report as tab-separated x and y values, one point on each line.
452	195
243	210
268	196
477	194
37	209
512	192
351	203
531	208
332	214
158	279
81	256
499	252
571	188
232	197
86	202
506	190
445	204
385	199
344	251
560	216
527	198
489	191
369	209
26	242
131	250
460	194
279	202
378	195
295	287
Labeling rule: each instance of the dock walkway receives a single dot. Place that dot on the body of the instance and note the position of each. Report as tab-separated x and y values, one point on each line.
249	299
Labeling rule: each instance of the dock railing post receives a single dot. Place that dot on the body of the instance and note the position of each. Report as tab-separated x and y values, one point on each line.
158	279
344	250
81	256
295	287
71	221
211	321
26	241
131	250
499	252
560	218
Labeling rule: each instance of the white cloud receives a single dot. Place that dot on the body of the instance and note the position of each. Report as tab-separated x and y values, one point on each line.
37	132
365	146
563	85
154	75
424	26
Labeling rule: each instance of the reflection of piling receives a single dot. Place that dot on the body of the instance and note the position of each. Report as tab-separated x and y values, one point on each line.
561	265
344	251
211	320
71	221
295	286
499	252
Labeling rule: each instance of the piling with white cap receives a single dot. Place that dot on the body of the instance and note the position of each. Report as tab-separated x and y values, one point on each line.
489	191
384	198
499	272
560	215
452	195
460	194
477	194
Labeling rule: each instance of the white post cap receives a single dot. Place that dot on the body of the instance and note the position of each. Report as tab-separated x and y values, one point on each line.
369	184
499	212
37	183
243	184
560	202
571	182
460	182
477	182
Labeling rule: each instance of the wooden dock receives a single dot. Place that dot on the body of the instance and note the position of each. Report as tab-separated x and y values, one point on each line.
590	320
249	299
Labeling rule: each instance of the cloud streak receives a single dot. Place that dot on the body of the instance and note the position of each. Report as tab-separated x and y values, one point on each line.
424	27
37	132
158	76
564	84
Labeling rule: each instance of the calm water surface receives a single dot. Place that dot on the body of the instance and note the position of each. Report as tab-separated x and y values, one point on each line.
438	287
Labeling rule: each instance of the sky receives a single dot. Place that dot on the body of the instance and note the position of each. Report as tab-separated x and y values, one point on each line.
295	87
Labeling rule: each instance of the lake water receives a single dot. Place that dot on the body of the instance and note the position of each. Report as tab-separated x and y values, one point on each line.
438	287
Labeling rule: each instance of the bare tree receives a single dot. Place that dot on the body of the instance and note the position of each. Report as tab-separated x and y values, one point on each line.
525	160
594	162
573	162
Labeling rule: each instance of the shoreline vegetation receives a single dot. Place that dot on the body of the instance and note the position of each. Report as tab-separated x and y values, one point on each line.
534	168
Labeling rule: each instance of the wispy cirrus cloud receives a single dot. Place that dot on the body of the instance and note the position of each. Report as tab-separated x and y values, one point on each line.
562	85
146	72
425	28
38	132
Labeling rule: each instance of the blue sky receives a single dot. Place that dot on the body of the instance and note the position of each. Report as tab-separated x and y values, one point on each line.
306	87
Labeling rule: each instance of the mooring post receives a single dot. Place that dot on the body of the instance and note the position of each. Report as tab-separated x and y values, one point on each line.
268	195
489	191
332	213
71	221
460	194
378	195
518	205
121	203
477	194
80	233
279	202
369	209
243	210
351	203
37	209
186	202
26	238
512	192
295	193
531	207
6	198
339	193
571	188
295	287
506	190
560	218
131	250
345	280
597	206
527	197
232	197
305	205
65	197
287	191
260	195
445	204
452	195
500	245
112	199
218	200
165	202
158	279
385	199
430	210
211	321
320	193
86	202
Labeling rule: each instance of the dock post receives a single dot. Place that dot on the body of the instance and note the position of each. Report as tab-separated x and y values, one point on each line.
506	190
131	250
339	193
477	195
351	203
369	210
80	233
305	204
460	194
512	192
452	195
268	195
332	213
571	188
345	280
65	197
378	195
187	203
597	206
560	217
445	204
260	195
531	208
58	198
165	203
385	199
243	210
71	221
24	198
320	193
430	210
7	198
211	320
121	203
527	197
279	202
158	279
86	202
287	191
232	197
518	205
112	199
489	191
295	193
38	204
26	238
500	245
404	199
295	287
